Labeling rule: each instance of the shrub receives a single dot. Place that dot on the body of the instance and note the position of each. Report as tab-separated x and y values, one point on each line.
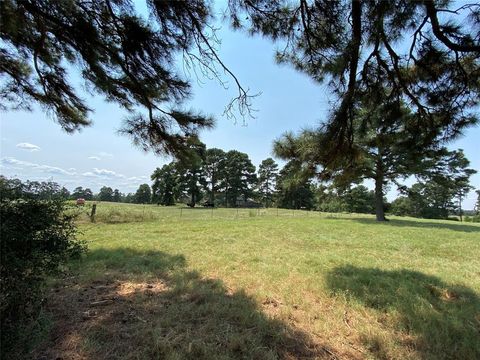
474	218
36	236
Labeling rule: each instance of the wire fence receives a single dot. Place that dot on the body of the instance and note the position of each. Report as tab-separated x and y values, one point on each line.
112	213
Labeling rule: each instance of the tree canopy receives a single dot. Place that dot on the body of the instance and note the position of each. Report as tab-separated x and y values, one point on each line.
143	195
426	53
214	171
239	178
443	185
267	177
129	58
165	186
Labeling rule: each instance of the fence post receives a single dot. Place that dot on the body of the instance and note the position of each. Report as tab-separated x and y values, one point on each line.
92	213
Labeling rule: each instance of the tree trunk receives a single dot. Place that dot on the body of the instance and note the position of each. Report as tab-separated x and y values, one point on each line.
212	194
267	186
379	206
460	207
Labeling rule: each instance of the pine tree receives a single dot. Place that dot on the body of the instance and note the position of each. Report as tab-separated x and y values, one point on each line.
190	174
105	194
214	172
294	191
426	53
267	176
121	55
477	205
165	185
239	178
385	149
117	196
143	194
448	170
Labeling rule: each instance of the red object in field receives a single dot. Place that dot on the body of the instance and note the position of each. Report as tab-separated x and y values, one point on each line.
80	201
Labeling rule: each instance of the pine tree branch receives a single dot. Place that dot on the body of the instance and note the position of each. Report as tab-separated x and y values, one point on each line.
437	31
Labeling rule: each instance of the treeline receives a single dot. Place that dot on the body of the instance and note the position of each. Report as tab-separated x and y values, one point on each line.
213	178
48	190
106	193
218	178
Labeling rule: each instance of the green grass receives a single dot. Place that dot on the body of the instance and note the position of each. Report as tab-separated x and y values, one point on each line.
222	283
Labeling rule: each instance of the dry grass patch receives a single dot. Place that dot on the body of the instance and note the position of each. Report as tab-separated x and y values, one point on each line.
168	313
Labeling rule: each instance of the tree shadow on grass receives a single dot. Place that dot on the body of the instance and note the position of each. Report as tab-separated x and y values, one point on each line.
444	318
456	226
147	305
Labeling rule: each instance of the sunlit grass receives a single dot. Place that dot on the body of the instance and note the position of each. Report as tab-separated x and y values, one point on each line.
336	285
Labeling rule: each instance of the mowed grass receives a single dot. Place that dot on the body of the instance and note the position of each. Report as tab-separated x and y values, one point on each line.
257	284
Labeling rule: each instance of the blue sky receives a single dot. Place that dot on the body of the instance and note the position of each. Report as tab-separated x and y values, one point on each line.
97	156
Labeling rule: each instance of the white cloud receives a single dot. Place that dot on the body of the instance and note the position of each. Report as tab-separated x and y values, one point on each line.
105	154
12	162
100	156
94	179
103	173
138	178
107	173
28	147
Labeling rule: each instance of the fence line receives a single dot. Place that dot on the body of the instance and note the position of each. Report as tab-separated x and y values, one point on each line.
111	214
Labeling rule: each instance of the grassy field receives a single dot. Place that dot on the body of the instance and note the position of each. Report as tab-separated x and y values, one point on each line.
173	283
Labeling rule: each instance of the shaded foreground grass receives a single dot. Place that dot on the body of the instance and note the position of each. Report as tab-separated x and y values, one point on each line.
153	308
445	318
268	286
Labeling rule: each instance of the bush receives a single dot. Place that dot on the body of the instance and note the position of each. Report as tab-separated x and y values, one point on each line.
36	236
474	218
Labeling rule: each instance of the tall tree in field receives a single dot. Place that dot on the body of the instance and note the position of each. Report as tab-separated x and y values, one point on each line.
429	200
294	191
129	198
239	178
328	199
267	177
88	194
385	149
165	185
428	53
117	196
105	194
190	175
449	174
78	192
120	54
359	200
214	171
143	194
477	205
